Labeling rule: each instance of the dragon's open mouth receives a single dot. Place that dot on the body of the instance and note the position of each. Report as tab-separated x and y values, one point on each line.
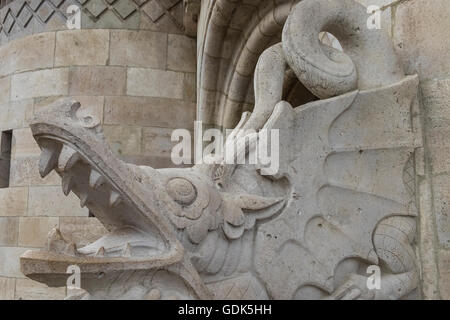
115	192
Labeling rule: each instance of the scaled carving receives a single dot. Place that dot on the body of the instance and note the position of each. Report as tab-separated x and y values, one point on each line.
342	200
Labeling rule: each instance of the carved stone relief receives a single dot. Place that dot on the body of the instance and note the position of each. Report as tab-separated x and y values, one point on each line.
22	17
342	201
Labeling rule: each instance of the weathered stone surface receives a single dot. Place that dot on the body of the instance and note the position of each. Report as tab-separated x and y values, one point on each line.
27	289
345	164
439	148
5	90
436	102
23	144
50	201
97	18
9	261
51	82
155	17
7	287
444	271
13	201
94	81
33	231
82	47
123	139
138	49
148	111
16	114
181	55
9	227
441	192
157	141
81	230
90	105
421	37
24	172
155	83
29	53
190	87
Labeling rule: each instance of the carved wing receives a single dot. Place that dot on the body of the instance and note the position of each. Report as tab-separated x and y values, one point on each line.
347	174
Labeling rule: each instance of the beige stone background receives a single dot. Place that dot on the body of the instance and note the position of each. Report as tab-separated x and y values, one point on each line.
135	69
421	36
138	77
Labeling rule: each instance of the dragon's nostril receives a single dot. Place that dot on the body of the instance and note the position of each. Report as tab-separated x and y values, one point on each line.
182	191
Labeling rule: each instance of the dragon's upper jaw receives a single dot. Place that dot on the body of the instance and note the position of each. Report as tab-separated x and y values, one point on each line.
115	192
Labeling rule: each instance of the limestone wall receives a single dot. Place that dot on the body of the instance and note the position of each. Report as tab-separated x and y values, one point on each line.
133	67
419	29
130	65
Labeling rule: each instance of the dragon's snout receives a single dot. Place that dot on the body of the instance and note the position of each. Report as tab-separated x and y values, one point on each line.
124	197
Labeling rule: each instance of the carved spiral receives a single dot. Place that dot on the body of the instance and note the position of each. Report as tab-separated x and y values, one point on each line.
368	60
182	191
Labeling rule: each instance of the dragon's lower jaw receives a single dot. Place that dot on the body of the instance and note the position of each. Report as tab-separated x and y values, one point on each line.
113	191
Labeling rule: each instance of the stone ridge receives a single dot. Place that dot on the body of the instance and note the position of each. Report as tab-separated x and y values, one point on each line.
24	17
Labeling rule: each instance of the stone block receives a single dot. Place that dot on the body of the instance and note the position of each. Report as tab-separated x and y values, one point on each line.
7	287
42	83
13	201
155	83
24	172
51	201
10	262
82	47
90	105
27	289
181	53
156	141
439	148
444	274
97	81
441	195
436	102
81	230
29	53
138	48
33	231
9	227
123	139
190	87
16	114
5	90
107	19
23	144
148	111
421	37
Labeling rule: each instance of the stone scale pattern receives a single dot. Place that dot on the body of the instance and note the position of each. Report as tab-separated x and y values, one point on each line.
23	17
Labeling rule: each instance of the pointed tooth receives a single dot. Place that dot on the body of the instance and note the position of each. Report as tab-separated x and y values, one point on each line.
71	249
67	158
127	251
100	252
67	183
48	160
96	179
114	199
55	241
83	199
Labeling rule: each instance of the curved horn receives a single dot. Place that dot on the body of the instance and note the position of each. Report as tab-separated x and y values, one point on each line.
369	60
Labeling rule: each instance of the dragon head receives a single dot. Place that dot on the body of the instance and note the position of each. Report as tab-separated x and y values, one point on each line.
158	221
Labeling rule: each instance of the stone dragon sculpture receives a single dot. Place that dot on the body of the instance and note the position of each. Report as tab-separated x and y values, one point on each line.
342	200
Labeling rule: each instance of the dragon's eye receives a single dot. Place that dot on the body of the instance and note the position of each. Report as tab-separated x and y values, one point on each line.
182	191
